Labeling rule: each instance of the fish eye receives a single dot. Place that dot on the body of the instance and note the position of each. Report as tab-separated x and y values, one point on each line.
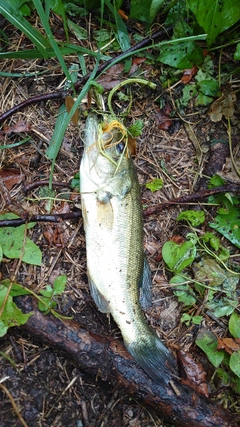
120	147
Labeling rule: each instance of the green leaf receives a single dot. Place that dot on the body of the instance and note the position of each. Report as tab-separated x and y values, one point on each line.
209	87
59	284
207	341
194	217
189	92
13	245
237	53
9	10
234	325
223	306
203	99
227	222
11	314
136	128
183	291
145	11
216	181
197	320
181	55
215	16
121	34
80	33
75	183
178	257
234	363
155	185
16	289
212	239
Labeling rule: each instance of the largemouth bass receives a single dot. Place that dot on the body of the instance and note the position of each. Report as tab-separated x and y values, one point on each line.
113	223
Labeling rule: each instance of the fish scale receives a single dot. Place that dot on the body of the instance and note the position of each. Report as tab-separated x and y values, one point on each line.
117	270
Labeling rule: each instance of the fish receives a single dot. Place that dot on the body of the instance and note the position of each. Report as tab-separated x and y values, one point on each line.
118	273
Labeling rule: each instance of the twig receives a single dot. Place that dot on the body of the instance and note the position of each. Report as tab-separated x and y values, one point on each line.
35	184
196	197
39	218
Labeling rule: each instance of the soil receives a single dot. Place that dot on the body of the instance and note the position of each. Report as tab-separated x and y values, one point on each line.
48	388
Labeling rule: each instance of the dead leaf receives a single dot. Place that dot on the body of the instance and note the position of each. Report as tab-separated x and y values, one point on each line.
69	102
228	344
223	106
112	77
189	74
192	373
11	177
178	239
18	127
163	121
122	14
132	145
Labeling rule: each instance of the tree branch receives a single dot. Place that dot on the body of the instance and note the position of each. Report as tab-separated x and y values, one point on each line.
108	359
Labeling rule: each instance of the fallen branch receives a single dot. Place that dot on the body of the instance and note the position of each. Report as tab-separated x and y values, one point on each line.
196	197
108	359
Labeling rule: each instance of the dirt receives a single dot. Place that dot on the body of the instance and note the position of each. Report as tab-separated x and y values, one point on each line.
47	388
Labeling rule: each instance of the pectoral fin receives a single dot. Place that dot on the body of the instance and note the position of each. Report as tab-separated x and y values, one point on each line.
145	287
98	298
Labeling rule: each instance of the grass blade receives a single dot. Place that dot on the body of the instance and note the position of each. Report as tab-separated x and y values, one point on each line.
9	11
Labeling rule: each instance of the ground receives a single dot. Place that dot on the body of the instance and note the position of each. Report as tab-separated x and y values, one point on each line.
48	388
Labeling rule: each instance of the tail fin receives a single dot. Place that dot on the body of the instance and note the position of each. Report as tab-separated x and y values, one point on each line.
154	358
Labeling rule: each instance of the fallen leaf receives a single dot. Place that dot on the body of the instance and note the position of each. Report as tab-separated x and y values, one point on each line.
228	344
11	177
189	74
223	106
192	373
69	102
132	145
112	77
18	127
122	14
162	119
178	239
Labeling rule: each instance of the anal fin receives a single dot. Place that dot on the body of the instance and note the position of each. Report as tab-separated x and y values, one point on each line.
98	298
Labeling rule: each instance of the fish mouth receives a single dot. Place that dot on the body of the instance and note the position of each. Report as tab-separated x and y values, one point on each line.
109	137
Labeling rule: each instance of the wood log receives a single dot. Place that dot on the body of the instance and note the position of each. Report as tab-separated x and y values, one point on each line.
108	359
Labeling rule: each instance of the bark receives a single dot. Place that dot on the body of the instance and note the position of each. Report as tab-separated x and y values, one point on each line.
108	359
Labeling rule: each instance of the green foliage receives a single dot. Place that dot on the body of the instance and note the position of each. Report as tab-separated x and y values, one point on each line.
205	87
182	55
145	11
75	183
227	222
136	128
10	10
215	16
178	256
207	341
187	319
47	301
14	244
234	325
155	185
11	315
195	218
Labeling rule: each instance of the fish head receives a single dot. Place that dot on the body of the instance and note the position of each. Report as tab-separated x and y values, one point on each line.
106	165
